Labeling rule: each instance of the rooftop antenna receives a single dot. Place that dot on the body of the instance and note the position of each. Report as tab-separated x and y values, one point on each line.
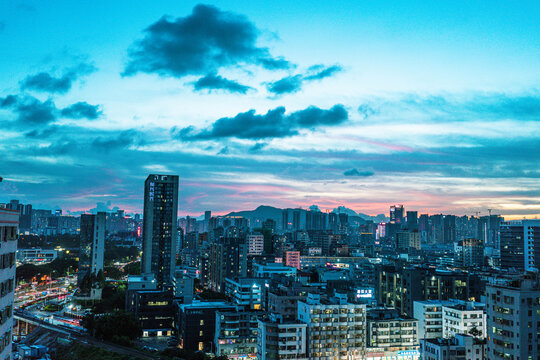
489	211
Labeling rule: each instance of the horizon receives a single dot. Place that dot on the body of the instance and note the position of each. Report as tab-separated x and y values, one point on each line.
355	104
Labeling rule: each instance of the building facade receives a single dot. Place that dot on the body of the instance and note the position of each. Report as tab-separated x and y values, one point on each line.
9	222
160	228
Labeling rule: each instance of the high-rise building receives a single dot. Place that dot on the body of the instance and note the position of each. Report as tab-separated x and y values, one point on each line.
9	222
513	319
412	220
91	251
406	240
160	228
469	252
397	214
227	259
255	244
520	244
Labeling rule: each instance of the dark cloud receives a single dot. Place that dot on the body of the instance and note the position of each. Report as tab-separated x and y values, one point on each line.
82	110
216	82
46	82
123	140
257	147
286	85
224	151
42	133
355	172
294	83
201	43
31	111
8	101
274	124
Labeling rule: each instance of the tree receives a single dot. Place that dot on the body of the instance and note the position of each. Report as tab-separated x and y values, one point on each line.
119	326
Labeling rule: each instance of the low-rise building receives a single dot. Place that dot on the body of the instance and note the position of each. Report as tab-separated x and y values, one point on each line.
236	333
270	269
36	256
464	317
460	347
246	292
336	329
279	339
390	332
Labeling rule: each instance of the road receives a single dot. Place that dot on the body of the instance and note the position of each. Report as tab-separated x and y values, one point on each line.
82	338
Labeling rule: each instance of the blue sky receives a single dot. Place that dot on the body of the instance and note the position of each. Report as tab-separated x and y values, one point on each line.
363	104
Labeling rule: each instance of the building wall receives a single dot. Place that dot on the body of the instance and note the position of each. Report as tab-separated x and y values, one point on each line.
9	221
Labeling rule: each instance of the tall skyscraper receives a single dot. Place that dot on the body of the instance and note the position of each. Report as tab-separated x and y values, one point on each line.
520	244
397	214
160	228
92	247
9	221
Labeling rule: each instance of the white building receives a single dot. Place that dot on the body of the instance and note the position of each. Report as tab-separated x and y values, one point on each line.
279	339
429	316
392	334
255	244
336	329
460	347
9	222
464	318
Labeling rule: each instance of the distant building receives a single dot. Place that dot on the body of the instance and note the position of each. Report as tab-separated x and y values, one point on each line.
292	258
406	240
227	259
160	228
255	244
9	222
267	270
520	245
469	253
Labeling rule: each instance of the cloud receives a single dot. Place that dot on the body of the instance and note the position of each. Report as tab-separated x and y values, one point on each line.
319	72
123	140
199	44
294	83
29	110
224	151
46	82
286	85
274	124
355	172
82	110
258	147
216	82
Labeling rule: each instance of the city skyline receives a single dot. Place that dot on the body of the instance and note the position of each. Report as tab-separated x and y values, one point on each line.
432	106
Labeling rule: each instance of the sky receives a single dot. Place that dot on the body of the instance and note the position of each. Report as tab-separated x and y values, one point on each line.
363	104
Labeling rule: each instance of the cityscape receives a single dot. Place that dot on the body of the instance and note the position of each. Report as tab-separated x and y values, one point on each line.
269	180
